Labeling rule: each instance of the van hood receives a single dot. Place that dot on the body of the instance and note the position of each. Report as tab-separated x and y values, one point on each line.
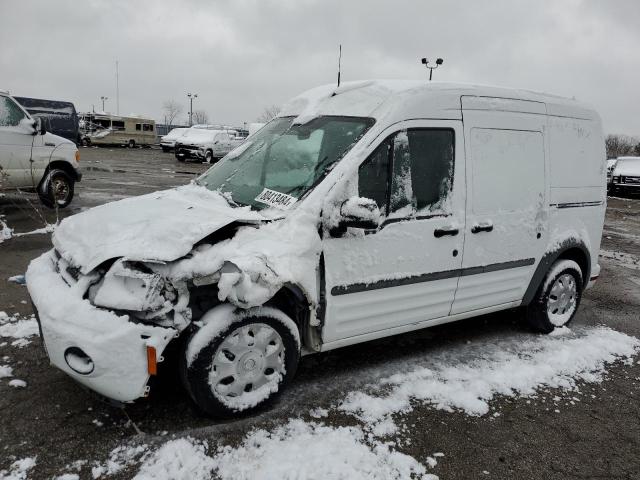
56	140
158	227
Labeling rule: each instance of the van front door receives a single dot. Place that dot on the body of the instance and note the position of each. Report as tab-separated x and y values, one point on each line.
406	272
506	225
15	146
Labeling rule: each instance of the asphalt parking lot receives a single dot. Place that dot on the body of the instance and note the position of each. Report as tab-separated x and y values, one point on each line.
596	437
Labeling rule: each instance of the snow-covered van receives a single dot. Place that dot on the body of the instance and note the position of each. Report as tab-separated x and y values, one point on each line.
360	212
625	177
206	144
33	159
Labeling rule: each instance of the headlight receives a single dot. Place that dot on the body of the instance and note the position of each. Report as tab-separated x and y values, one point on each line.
126	288
77	155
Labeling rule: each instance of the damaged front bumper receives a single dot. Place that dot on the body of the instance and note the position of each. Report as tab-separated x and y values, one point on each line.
98	348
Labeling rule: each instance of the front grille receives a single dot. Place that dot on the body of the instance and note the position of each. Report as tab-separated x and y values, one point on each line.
630	179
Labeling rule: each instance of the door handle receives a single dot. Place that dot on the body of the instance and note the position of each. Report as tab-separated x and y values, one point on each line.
482	227
441	232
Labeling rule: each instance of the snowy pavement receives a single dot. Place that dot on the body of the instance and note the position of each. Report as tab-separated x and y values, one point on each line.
482	398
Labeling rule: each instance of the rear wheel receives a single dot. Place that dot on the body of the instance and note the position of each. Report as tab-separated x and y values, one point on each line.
57	189
240	359
132	144
86	142
208	156
558	297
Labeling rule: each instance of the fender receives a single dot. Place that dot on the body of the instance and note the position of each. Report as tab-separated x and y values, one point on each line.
571	246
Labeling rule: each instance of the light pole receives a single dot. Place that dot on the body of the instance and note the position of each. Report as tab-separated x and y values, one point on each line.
431	68
191	97
103	99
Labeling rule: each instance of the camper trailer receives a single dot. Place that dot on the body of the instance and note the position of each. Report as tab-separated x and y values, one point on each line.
108	129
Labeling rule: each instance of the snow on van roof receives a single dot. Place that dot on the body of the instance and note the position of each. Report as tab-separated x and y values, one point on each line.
401	99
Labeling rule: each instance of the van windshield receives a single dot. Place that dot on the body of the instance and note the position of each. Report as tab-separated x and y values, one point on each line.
283	158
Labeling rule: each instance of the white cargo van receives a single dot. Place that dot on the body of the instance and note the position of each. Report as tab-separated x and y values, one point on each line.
31	158
359	212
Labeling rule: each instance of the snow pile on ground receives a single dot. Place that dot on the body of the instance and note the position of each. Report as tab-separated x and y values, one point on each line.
21	329
6	371
119	459
510	367
181	459
5	232
298	450
19	469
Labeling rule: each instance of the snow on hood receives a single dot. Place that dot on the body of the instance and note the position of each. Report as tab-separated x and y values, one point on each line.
160	226
627	166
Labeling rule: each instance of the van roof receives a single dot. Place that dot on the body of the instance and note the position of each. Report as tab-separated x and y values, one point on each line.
397	100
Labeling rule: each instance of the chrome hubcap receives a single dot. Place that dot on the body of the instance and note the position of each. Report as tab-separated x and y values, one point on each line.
248	359
562	299
60	190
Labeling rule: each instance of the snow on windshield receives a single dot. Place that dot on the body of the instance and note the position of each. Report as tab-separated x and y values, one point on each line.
288	159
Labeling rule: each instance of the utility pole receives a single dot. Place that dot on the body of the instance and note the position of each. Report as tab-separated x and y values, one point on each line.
191	97
117	90
431	68
103	99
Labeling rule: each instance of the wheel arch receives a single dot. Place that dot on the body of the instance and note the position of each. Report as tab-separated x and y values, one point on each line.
60	165
570	249
293	301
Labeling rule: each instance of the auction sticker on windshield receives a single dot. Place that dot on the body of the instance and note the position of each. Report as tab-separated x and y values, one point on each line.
276	199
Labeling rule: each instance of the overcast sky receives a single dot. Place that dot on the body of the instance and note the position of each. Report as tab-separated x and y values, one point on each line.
240	56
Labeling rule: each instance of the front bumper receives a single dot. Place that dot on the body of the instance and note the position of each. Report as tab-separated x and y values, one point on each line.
184	151
116	346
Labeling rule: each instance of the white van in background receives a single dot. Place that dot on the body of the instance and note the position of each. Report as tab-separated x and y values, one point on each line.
33	159
360	212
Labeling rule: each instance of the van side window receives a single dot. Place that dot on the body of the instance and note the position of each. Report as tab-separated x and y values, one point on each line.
138	126
432	156
373	176
117	125
147	127
10	113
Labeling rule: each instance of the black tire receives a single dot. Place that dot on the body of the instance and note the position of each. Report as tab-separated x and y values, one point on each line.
208	156
86	142
131	144
196	374
538	314
57	189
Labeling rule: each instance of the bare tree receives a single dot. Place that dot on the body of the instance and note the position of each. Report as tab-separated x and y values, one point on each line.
269	113
200	116
620	145
171	110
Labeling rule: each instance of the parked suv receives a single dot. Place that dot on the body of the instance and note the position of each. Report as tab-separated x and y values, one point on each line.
360	212
625	177
32	158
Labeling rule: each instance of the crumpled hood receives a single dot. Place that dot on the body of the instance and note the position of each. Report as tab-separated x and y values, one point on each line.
161	226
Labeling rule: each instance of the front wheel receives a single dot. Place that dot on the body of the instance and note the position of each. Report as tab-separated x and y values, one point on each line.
557	299
240	360
57	189
132	144
208	156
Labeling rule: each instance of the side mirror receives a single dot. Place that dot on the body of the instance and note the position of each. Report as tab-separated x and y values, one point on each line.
358	212
40	126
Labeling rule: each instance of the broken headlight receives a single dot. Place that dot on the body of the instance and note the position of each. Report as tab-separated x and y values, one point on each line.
132	287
